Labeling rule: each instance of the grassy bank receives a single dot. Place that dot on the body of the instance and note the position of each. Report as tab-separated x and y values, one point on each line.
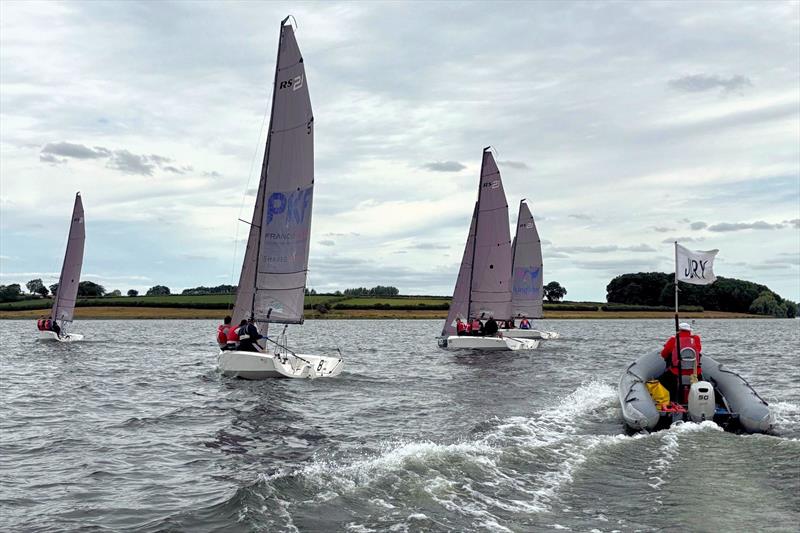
143	312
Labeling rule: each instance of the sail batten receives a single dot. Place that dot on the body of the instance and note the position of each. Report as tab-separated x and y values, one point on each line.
527	281
273	279
68	281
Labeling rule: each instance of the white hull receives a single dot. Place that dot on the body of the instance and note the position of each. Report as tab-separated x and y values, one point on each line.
255	365
530	334
51	336
487	344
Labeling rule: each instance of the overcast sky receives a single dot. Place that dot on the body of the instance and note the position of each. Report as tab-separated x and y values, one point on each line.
625	125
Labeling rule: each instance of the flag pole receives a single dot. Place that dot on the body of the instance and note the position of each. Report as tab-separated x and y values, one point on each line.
678	387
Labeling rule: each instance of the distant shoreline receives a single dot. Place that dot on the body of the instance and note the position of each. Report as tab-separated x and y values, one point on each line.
164	313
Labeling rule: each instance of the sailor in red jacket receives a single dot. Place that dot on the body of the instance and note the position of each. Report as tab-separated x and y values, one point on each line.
670	351
222	332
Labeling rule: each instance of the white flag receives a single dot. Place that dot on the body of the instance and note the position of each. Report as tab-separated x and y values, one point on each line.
697	267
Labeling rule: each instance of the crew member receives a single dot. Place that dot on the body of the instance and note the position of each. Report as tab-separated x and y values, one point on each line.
233	336
248	337
461	327
524	323
222	333
475	327
54	327
671	355
490	327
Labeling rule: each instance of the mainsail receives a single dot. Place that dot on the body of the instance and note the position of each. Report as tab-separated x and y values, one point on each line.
273	278
460	303
64	305
526	298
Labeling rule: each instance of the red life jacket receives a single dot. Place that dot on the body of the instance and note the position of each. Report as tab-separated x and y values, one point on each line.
48	325
39	324
687	341
461	327
233	335
475	325
222	333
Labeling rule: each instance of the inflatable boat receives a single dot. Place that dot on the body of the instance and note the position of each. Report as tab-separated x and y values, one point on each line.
723	396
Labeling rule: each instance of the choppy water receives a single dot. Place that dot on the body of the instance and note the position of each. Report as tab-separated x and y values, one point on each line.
134	430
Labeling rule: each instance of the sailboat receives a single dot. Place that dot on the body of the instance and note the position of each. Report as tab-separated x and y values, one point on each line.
483	288
526	276
64	301
273	278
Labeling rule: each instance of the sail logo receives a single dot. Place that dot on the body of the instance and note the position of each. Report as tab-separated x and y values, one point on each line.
293	205
495	184
295	83
526	225
525	280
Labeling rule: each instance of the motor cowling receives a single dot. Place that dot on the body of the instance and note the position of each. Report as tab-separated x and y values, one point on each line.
702	401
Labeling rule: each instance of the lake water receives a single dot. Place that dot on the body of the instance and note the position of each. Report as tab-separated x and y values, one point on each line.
134	430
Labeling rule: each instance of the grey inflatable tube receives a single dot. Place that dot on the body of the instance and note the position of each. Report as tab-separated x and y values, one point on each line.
638	408
753	411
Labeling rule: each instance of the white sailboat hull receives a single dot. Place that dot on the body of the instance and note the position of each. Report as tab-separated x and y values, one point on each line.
256	365
487	344
51	336
530	334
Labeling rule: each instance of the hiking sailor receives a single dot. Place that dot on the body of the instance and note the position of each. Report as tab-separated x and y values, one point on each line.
249	336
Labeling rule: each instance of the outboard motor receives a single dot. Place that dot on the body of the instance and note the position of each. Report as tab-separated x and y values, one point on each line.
702	401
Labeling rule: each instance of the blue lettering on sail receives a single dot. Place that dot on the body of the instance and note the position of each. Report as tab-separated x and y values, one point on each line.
293	205
525	281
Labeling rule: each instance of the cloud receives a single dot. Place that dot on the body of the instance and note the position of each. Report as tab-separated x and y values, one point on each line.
663	229
327	242
696	83
129	163
682	239
738	226
74	151
429	246
444	166
795	222
514	164
50	158
602	249
580	217
698	225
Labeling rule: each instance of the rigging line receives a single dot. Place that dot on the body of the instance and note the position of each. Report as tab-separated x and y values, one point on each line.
244	195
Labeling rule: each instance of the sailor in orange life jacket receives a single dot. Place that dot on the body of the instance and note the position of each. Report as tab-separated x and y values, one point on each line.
233	336
222	333
670	350
462	328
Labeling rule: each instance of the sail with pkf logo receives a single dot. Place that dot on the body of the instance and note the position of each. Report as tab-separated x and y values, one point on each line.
527	281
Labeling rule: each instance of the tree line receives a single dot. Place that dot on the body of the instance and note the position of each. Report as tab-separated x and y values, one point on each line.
725	294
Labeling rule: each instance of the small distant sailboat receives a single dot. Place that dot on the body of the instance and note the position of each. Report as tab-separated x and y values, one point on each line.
64	301
526	276
273	279
483	285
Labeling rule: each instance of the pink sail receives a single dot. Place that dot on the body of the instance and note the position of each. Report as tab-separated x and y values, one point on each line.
460	303
526	282
64	304
273	278
490	288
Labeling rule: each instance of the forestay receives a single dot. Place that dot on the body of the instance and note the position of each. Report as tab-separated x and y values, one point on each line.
526	294
273	278
64	304
460	303
491	271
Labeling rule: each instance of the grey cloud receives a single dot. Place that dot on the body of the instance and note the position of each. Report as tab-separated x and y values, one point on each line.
75	151
327	242
616	265
351	234
606	248
429	246
795	222
444	166
638	248
213	174
770	266
129	163
158	159
581	217
698	225
662	229
696	83
681	239
514	164
175	170
738	226
50	158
